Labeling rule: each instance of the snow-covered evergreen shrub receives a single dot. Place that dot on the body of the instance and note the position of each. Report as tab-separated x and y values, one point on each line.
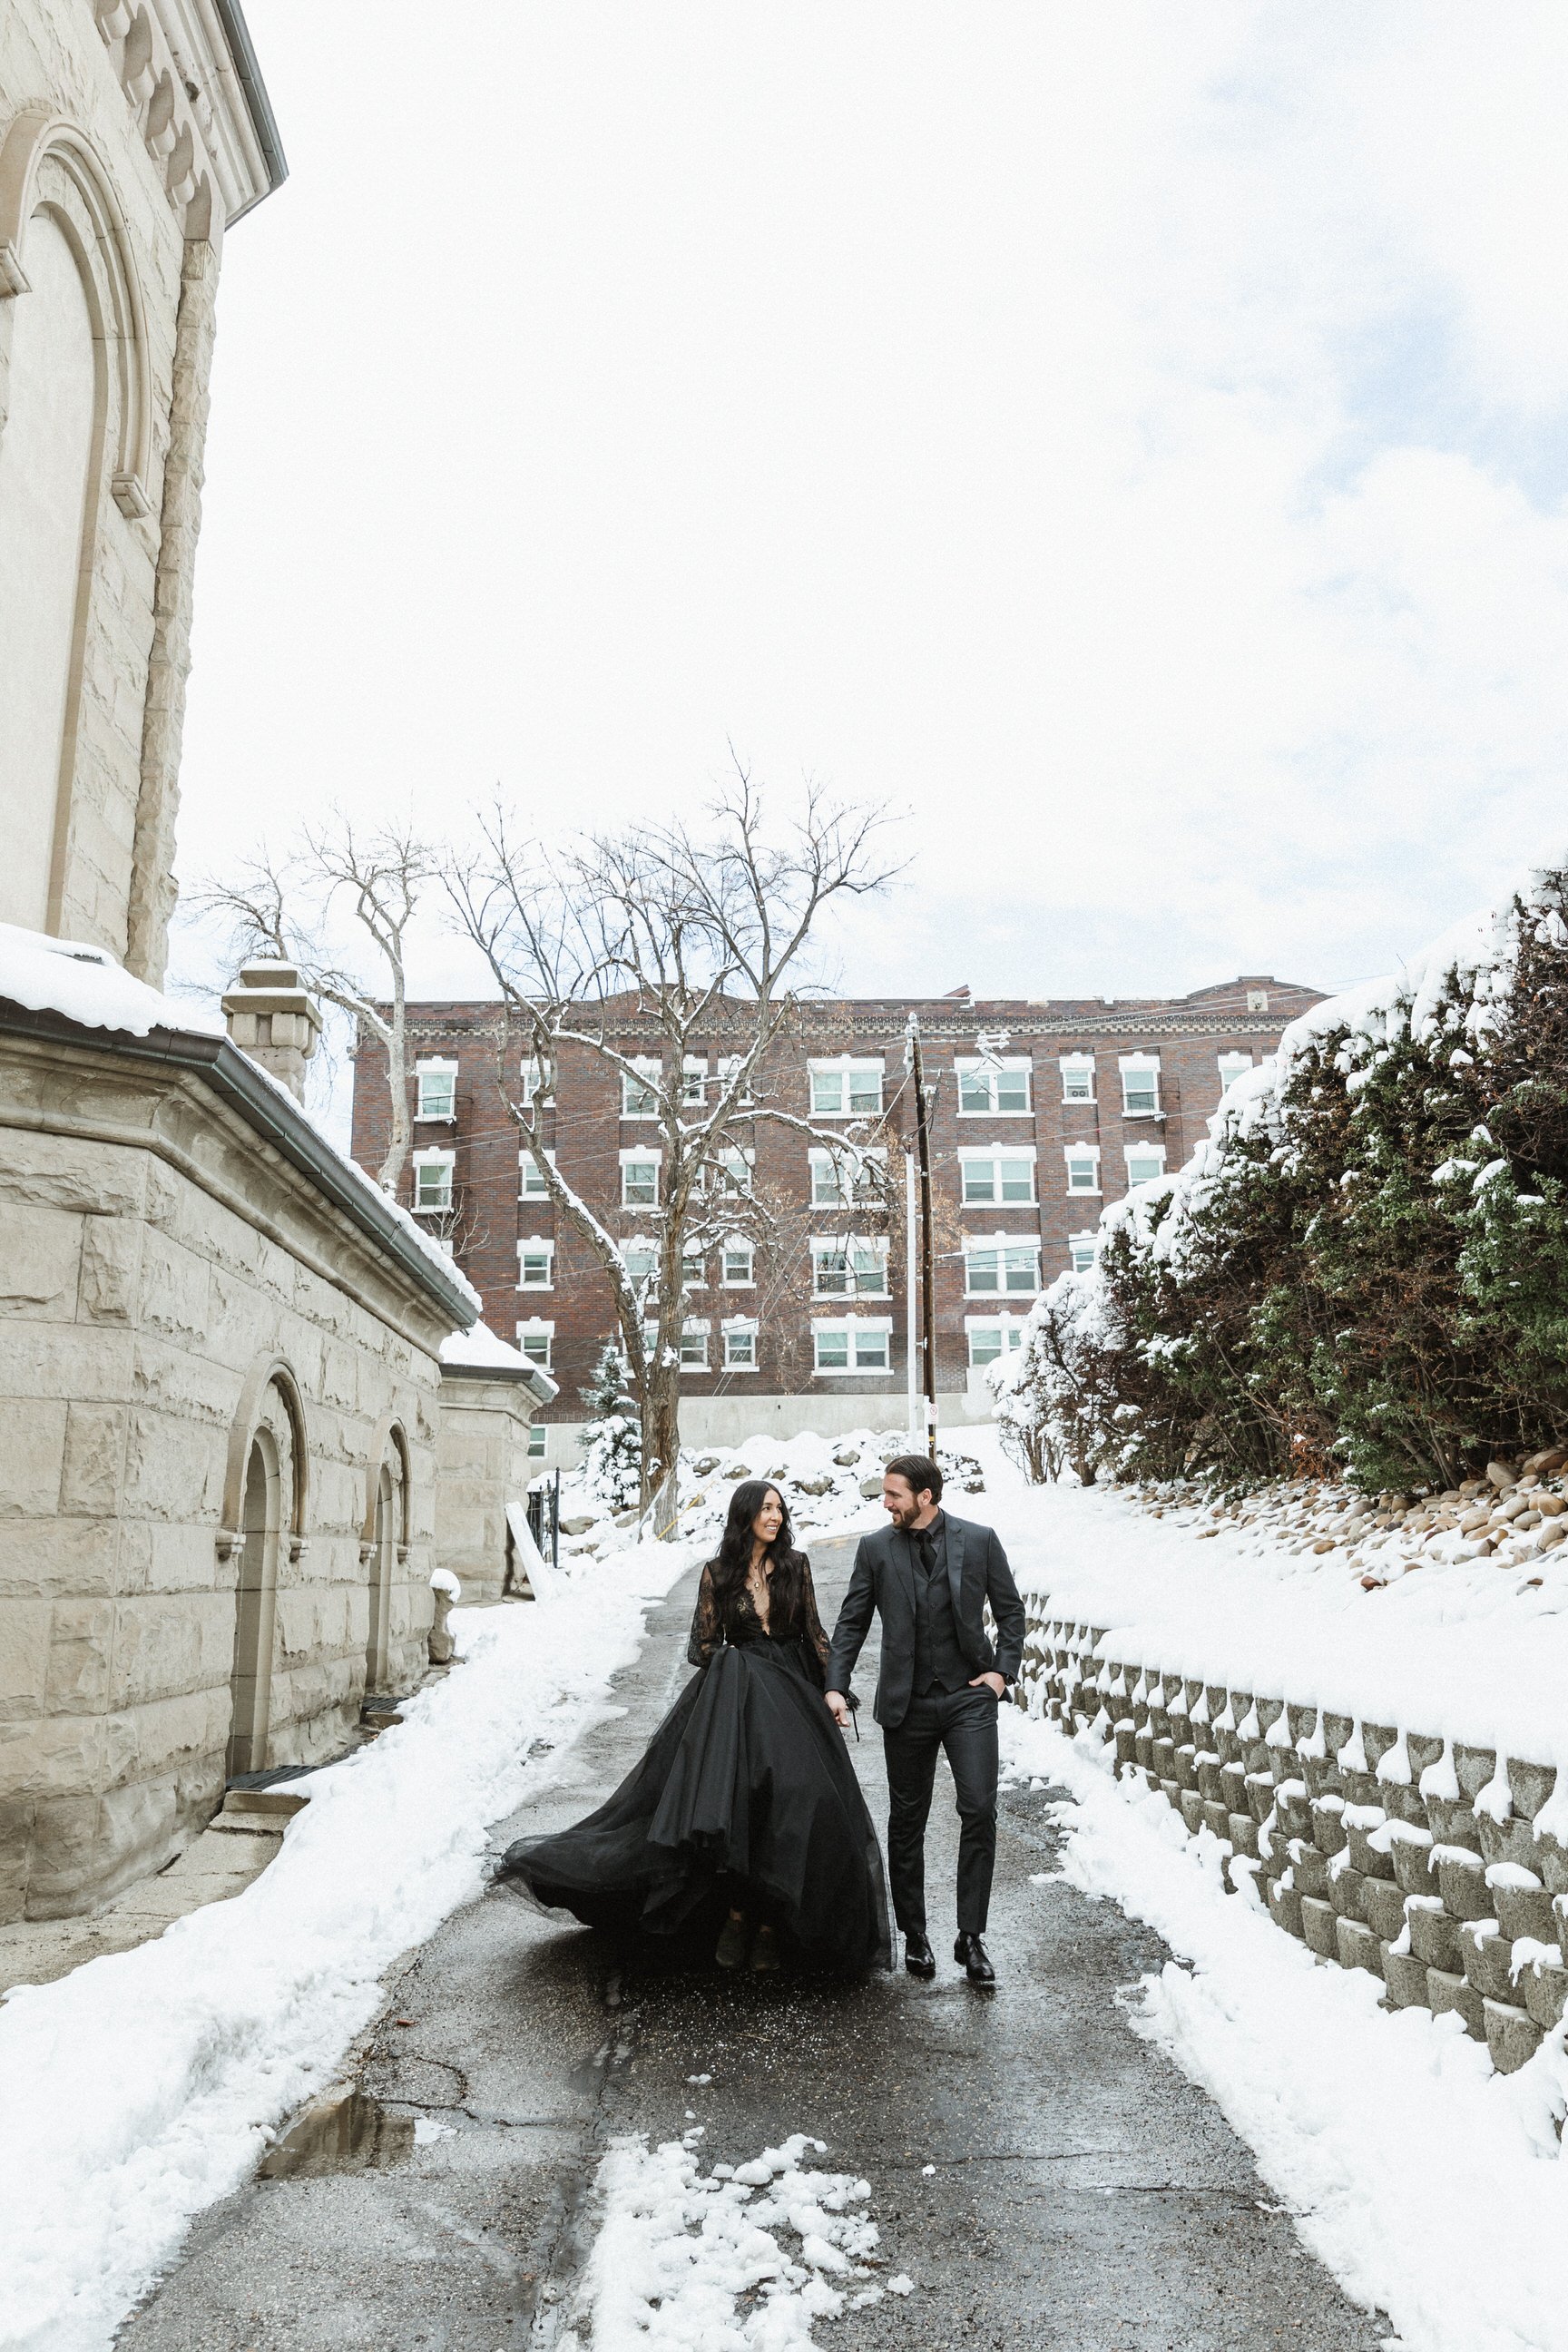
611	1437
1366	1262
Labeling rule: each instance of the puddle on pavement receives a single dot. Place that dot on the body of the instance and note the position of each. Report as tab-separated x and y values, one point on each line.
344	2131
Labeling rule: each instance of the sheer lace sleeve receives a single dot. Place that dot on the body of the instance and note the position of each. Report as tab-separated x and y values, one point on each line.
707	1633
815	1639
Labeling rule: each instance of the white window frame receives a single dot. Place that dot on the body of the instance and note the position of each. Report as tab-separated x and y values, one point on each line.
535	1326
846	1067
435	1065
1082	1245
638	1155
1009	1330
1002	1247
651	1074
1232	1066
821	1160
877	1247
536	1246
694	1082
992	1068
991	1155
1090	1151
852	1327
1140	1065
526	1161
698	1280
434	1155
641	1244
734	1247
695	1326
1082	1065
719	1172
740	1327
529	1077
538	1441
1132	1151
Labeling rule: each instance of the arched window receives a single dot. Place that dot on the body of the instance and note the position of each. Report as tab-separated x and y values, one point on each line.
386	1543
48	452
256	1607
265	1499
75	420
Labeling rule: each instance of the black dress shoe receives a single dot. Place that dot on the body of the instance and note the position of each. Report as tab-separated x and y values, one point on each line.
976	1963
919	1958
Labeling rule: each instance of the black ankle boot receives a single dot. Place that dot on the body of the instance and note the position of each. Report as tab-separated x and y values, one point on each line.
919	1958
976	1962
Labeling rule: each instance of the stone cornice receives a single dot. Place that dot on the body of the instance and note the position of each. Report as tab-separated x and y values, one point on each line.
539	1384
268	1112
189	74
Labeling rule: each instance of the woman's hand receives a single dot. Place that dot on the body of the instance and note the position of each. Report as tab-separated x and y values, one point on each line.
839	1708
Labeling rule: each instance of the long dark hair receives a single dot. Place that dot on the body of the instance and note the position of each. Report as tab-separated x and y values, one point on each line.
786	1587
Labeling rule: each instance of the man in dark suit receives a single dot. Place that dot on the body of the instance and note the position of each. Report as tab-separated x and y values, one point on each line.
929	1576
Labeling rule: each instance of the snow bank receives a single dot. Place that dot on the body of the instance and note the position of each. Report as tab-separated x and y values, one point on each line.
85	985
1431	2187
676	2249
144	2085
1465	1650
820	1477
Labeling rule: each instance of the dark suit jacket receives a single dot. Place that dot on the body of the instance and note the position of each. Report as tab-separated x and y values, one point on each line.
884	1579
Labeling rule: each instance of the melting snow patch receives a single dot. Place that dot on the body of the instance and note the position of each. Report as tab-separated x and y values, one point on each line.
713	2263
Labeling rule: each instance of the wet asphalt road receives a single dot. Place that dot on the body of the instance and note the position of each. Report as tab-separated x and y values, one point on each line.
1084	2195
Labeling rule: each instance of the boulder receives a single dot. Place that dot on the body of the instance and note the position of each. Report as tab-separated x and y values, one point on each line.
870	1488
580	1524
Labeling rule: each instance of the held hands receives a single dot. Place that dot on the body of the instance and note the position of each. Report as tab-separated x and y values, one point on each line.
839	1708
987	1682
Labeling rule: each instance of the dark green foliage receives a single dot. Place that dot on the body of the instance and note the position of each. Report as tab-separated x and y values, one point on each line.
1370	1276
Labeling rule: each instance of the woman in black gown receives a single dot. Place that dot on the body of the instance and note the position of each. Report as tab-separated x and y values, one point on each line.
745	1806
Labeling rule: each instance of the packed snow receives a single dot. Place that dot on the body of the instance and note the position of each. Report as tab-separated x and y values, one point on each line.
85	984
143	2087
1433	2189
1302	1593
747	2255
832	1486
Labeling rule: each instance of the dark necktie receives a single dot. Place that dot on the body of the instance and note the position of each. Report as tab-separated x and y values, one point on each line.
926	1550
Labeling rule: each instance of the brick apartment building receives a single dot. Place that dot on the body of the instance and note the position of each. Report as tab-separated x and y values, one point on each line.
1041	1113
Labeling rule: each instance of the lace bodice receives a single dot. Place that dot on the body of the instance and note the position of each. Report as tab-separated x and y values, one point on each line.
742	1623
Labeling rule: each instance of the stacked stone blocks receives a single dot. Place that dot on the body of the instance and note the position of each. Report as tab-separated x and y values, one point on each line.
1400	1853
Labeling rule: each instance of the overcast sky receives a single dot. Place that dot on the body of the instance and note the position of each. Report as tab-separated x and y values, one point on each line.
1130	440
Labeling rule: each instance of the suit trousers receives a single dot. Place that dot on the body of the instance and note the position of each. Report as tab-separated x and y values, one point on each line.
963	1723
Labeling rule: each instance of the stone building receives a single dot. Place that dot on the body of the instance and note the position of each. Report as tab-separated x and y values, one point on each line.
1041	1113
220	1372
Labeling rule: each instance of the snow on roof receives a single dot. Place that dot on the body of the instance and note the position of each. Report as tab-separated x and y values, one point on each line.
480	1347
85	984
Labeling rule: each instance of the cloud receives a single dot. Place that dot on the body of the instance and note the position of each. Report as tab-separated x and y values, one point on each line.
1130	439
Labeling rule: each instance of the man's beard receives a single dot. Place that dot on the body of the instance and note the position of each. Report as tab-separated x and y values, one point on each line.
904	1515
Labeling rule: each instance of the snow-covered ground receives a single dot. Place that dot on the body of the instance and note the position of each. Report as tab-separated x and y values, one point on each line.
143	2087
822	1479
749	2255
1432	2187
1472	1647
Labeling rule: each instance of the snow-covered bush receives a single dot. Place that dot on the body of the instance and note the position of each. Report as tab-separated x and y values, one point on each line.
1365	1263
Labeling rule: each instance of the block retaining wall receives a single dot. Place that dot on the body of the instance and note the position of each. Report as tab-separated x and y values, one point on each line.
1417	1859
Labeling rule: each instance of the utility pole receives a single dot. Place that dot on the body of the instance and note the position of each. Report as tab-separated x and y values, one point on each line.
928	1262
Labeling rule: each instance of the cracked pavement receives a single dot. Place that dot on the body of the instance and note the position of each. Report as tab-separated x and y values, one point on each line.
1084	2194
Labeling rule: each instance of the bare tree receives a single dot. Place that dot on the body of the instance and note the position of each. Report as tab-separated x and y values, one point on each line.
707	935
282	908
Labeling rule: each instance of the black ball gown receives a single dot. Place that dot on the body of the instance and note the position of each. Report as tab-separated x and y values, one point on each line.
746	1796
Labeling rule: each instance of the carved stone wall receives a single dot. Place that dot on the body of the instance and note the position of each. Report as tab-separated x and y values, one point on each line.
206	1365
124	132
482	1464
